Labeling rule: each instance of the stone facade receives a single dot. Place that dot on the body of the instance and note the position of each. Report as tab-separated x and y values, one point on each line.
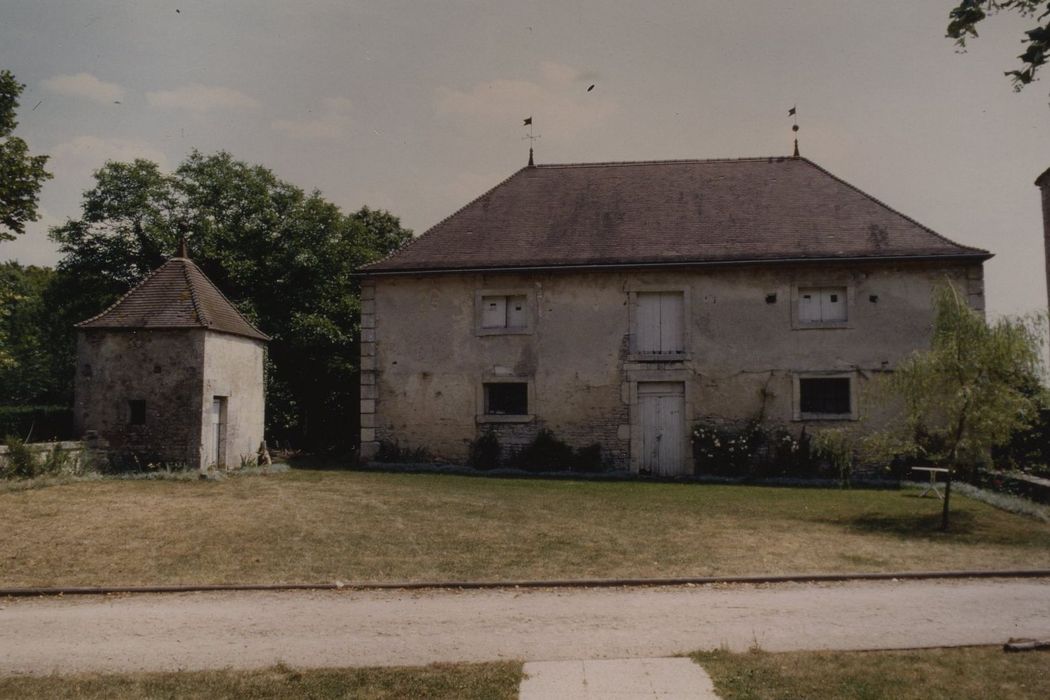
160	368
426	357
177	374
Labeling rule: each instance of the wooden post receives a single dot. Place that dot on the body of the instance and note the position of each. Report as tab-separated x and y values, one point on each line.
947	496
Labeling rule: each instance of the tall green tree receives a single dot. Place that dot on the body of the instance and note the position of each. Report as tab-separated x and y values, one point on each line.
284	257
972	390
21	175
30	372
964	18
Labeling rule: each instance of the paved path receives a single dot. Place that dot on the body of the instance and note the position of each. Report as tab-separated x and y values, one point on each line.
617	679
361	628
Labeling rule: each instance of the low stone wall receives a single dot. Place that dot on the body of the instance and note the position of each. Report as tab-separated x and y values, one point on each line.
73	454
1015	484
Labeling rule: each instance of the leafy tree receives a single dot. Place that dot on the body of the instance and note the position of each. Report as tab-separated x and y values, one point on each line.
972	389
285	258
21	175
28	371
964	18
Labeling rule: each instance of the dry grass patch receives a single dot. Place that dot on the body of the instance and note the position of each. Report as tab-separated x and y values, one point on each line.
311	526
959	674
491	681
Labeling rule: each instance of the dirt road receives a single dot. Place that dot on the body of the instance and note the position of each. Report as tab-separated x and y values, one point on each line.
352	628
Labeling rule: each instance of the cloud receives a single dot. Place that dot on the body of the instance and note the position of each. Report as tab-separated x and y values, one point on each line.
558	100
85	154
201	98
332	122
84	85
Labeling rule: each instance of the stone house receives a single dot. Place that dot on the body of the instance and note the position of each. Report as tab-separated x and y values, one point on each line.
172	373
622	302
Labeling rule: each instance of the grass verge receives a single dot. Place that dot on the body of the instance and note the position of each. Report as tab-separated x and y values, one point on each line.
453	681
959	674
306	526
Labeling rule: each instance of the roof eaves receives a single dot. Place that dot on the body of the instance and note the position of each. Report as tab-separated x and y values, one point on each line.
975	254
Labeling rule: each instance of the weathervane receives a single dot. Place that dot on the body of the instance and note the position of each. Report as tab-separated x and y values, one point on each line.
794	127
530	137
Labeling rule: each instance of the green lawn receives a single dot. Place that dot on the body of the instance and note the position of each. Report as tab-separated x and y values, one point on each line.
315	526
492	681
955	674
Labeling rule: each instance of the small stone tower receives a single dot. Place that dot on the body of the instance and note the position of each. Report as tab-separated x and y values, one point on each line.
172	373
1043	183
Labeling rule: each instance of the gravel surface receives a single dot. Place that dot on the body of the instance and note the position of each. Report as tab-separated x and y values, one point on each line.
377	628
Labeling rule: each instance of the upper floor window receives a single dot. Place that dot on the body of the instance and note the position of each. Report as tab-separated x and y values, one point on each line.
504	311
822	305
659	323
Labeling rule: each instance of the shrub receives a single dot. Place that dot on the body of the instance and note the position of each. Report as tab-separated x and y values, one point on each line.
726	451
837	448
756	451
588	460
1028	449
391	452
485	451
21	464
545	453
56	461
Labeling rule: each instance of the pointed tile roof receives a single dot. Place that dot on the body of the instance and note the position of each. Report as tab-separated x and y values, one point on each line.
175	295
685	212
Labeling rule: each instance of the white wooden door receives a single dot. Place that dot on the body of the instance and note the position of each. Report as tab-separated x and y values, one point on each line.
218	431
661	407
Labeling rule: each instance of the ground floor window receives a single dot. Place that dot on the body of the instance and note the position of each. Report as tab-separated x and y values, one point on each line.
507	399
825	397
137	412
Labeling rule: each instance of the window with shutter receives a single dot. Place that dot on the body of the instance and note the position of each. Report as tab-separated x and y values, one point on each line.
817	305
659	320
500	312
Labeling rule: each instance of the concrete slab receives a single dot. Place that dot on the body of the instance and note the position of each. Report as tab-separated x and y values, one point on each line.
616	679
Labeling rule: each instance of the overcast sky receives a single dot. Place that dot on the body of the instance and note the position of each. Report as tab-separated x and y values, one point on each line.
417	107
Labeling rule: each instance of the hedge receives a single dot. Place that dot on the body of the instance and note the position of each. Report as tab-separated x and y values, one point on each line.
36	423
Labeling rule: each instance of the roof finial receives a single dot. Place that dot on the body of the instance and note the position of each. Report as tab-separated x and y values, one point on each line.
531	138
183	252
793	112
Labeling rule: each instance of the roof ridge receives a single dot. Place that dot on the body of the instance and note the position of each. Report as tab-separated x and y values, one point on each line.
891	209
126	294
201	316
668	161
430	230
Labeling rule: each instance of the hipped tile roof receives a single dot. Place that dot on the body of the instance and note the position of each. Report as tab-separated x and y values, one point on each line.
668	212
175	295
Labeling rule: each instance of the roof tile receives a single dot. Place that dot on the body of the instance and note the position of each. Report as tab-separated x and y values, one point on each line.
668	212
175	295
